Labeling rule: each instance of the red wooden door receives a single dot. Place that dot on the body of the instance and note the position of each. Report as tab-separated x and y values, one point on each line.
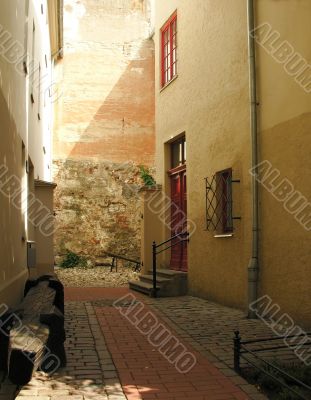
179	219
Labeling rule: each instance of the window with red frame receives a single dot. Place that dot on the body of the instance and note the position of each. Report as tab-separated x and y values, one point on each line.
169	50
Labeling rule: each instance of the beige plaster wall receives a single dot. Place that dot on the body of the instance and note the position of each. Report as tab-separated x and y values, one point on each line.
44	237
22	134
285	121
209	101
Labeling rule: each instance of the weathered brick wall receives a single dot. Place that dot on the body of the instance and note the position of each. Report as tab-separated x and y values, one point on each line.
104	121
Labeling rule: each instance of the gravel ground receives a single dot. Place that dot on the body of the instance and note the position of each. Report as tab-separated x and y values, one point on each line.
95	277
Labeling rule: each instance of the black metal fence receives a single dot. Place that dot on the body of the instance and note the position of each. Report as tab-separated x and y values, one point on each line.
251	356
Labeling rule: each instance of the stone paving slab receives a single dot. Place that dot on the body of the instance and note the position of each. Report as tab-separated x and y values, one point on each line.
85	376
210	328
109	359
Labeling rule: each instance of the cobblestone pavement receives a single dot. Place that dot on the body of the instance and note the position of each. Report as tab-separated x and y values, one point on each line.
90	373
109	359
210	328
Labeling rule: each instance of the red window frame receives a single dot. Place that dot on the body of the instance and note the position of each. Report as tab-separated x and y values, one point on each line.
169	50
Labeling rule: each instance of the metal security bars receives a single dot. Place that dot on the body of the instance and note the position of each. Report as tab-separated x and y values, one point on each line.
219	202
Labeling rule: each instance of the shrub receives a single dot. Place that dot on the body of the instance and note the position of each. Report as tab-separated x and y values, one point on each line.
72	260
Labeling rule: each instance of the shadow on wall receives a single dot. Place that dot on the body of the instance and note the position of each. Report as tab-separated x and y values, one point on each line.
12	248
97	201
123	127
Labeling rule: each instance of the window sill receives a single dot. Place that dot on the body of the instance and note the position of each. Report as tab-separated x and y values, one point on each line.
223	235
168	83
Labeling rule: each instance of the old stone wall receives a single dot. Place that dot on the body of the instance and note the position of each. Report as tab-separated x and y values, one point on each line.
104	124
96	208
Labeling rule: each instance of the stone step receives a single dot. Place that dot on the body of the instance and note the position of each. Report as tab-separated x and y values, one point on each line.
149	279
169	283
165	273
142	287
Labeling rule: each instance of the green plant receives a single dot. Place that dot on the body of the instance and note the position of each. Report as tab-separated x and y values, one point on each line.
146	176
72	260
286	394
275	390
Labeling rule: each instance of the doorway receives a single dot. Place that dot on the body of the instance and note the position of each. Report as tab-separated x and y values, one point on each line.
178	178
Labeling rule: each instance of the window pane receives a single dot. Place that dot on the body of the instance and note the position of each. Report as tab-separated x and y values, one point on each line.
178	153
174	55
174	70
169	54
174	42
224	201
174	26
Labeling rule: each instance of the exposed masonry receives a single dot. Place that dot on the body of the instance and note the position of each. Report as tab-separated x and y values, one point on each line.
104	119
97	208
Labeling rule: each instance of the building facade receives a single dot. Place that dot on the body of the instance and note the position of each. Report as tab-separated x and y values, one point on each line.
204	149
30	43
104	126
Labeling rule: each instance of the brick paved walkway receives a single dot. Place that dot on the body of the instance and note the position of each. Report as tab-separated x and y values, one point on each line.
109	359
147	374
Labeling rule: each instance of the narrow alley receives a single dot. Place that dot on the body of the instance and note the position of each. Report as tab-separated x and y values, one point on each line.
155	200
110	358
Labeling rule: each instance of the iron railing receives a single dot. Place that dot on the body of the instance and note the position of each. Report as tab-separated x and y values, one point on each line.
116	257
242	351
156	251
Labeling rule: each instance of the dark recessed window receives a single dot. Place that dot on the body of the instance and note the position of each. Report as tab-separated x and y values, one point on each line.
224	200
179	153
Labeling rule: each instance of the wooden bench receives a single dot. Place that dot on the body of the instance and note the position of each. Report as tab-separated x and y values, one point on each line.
32	336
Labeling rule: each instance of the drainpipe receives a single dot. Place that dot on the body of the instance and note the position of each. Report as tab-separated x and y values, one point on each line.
253	265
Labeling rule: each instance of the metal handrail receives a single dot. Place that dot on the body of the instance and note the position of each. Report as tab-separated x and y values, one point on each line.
155	246
116	257
172	238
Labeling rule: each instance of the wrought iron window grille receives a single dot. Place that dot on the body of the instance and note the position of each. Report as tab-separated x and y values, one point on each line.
219	202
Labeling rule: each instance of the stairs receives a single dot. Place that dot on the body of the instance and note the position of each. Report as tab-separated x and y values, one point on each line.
169	283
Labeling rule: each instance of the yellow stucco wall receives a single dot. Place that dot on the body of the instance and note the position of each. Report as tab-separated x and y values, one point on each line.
209	101
285	121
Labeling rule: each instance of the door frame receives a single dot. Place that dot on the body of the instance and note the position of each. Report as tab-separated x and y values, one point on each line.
180	170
